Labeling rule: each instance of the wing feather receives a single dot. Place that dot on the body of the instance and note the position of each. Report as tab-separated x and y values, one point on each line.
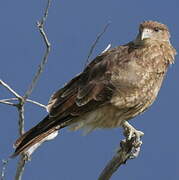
90	87
86	92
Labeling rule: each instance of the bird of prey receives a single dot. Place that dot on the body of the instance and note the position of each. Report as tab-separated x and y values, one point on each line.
116	86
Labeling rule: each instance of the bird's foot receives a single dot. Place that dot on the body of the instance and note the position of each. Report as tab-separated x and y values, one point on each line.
133	137
130	131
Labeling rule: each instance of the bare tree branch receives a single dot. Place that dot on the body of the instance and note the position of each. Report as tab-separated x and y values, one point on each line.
10	89
95	43
6	101
36	103
46	12
21	118
20	107
23	159
22	100
41	67
129	149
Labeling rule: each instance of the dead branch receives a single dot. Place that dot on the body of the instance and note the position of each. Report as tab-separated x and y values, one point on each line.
10	89
7	101
95	43
40	25
23	99
129	149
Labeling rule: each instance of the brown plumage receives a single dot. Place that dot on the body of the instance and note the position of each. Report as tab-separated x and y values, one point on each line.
116	86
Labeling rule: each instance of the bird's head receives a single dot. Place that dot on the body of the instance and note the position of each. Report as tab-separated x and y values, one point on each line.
152	30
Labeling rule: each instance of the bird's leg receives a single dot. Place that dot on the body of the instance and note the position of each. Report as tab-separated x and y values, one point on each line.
132	138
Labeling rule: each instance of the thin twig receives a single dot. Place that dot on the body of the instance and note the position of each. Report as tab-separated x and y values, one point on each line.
41	67
10	99
36	103
10	89
46	12
95	42
6	101
22	161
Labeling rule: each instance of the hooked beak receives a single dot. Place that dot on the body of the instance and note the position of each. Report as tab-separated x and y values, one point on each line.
146	33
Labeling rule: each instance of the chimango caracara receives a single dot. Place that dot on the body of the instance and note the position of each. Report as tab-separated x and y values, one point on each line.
116	86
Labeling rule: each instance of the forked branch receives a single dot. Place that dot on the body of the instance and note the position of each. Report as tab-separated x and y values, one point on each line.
23	99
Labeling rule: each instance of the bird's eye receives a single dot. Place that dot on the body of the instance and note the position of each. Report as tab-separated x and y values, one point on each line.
156	29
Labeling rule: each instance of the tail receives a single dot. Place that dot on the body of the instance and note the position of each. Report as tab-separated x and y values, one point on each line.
46	130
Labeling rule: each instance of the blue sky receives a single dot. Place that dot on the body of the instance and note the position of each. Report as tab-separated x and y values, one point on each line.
72	27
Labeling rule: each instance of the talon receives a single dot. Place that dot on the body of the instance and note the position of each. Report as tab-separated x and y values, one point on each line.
131	134
138	134
134	135
130	131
